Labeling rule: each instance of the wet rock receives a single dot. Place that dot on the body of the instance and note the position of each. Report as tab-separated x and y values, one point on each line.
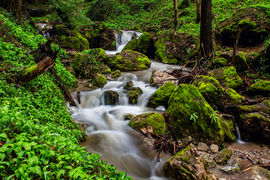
202	147
190	114
111	97
228	76
254	121
214	148
129	85
231	97
174	47
232	169
223	156
154	120
81	125
244	163
129	61
116	74
261	171
133	95
144	42
161	78
128	116
131	45
99	80
162	95
186	166
209	161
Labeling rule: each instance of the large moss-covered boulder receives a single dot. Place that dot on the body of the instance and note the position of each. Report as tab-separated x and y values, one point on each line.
131	45
72	42
129	61
228	77
260	87
154	120
254	121
88	63
231	97
144	42
162	95
251	22
210	88
185	165
240	63
174	47
191	114
99	80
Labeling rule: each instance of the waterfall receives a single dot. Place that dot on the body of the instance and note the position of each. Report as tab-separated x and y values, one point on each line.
122	39
238	132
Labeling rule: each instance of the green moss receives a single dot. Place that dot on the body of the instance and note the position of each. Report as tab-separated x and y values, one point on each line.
261	86
184	102
228	127
221	61
107	71
155	120
134	94
131	45
223	156
246	23
162	95
144	42
228	75
99	80
73	42
30	70
232	97
116	74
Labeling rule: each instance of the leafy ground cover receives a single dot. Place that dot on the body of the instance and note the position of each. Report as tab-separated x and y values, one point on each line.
39	139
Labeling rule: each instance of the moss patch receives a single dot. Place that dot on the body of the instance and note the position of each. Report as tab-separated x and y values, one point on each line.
99	80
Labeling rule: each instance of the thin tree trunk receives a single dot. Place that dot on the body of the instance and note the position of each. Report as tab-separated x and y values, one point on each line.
235	45
198	3
176	15
206	28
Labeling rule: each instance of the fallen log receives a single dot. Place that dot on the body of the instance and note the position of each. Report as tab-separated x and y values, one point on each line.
35	70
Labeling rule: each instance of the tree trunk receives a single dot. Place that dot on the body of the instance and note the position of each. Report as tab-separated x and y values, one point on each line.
206	28
176	15
198	3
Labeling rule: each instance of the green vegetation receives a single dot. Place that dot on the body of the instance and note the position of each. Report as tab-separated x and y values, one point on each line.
38	139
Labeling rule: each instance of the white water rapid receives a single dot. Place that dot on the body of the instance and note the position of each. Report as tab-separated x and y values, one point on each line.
122	39
111	137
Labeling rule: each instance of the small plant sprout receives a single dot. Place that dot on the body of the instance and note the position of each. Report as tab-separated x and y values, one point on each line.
194	117
214	116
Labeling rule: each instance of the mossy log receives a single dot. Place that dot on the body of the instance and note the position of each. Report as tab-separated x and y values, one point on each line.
36	70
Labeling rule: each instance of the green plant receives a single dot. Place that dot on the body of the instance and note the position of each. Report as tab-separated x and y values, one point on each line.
194	117
214	117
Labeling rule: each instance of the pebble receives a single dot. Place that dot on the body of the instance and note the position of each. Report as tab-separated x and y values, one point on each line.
214	148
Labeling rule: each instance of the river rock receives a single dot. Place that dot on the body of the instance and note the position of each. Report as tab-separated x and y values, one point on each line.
247	21
214	148
228	77
162	95
144	42
111	97
209	162
254	121
173	47
99	80
160	78
116	74
259	87
133	95
232	169
87	64
190	114
231	97
155	120
131	45
223	156
203	147
261	171
186	166
129	61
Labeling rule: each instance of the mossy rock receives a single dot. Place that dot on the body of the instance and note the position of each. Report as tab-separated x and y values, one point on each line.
162	95
261	171
174	47
129	61
60	30
116	74
240	63
155	120
111	97
129	85
221	62
186	166
228	126
210	88
99	80
254	121
144	42
228	77
87	64
133	95
223	156
260	87
185	102
250	21
231	97
262	60
106	70
72	42
131	45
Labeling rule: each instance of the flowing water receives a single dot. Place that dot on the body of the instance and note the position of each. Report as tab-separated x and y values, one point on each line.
111	137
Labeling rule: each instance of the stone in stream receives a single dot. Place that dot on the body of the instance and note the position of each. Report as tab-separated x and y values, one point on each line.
203	147
214	148
223	156
231	169
111	97
99	80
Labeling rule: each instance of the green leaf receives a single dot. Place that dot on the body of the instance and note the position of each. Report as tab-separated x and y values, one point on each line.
3	136
33	161
2	156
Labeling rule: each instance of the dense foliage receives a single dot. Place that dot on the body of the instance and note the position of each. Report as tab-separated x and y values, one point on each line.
38	138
